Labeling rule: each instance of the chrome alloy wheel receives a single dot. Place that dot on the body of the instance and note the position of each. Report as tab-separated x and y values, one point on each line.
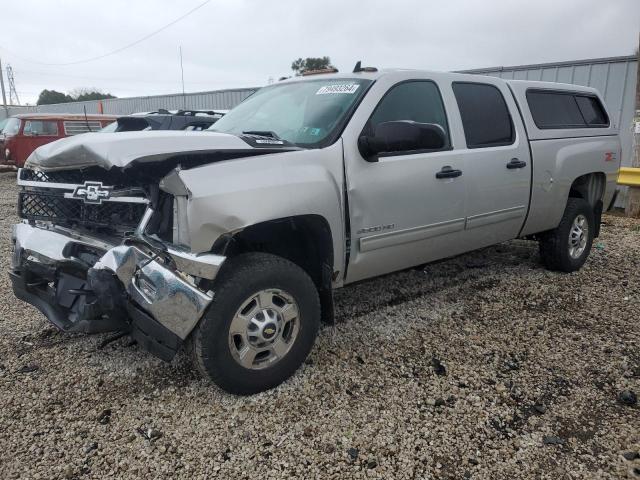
578	236
264	329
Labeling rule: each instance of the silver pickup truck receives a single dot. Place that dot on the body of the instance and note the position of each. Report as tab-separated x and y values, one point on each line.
231	241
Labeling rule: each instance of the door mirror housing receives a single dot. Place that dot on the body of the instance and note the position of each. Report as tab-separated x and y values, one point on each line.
402	136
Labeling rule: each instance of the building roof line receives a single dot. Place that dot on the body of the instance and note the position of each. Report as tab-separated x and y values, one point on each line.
593	61
187	94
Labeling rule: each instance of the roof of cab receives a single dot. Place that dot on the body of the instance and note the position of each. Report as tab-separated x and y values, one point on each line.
401	73
339	75
63	116
404	72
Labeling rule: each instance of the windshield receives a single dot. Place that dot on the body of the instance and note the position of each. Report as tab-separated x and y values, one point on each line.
2	124
12	127
303	113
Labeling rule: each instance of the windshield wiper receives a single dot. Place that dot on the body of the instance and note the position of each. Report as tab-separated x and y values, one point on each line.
264	138
262	133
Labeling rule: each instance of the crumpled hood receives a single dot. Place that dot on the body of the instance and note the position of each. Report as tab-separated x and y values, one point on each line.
119	149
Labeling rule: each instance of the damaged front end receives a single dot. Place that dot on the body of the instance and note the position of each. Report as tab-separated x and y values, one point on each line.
94	255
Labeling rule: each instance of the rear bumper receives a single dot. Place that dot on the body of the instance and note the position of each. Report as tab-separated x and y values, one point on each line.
83	284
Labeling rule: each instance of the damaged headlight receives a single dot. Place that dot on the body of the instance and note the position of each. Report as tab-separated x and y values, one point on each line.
174	185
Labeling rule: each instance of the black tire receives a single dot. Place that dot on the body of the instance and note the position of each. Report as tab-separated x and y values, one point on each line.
554	245
240	278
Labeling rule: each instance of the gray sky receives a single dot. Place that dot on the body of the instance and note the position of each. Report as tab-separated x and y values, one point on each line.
241	43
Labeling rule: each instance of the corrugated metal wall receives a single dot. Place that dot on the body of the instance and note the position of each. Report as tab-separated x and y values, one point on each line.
219	99
615	78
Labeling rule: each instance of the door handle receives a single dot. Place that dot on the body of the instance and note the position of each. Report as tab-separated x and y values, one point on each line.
516	163
448	172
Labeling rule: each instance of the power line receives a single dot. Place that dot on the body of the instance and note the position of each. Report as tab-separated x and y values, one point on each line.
107	79
118	50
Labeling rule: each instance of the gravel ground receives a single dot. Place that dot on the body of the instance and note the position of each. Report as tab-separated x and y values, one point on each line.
483	366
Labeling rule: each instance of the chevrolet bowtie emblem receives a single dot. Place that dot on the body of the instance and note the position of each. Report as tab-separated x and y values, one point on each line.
92	192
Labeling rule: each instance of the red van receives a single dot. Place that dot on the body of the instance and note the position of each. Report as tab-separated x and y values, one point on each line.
23	133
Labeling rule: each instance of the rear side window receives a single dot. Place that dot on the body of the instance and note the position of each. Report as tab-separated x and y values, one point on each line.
592	111
40	127
417	100
551	110
77	127
485	115
132	124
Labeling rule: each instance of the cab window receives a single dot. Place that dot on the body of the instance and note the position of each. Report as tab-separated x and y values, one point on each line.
485	116
416	100
40	127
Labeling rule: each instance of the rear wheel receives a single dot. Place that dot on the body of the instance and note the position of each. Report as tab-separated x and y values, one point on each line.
260	326
567	247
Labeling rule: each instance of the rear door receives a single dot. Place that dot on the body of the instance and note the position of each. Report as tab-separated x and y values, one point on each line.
497	162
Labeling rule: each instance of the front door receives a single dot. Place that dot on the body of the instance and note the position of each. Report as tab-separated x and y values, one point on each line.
403	210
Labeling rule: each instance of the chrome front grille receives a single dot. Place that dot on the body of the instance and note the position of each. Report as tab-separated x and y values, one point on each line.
65	198
64	176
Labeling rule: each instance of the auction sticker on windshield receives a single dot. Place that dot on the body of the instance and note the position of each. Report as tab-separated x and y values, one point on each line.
340	88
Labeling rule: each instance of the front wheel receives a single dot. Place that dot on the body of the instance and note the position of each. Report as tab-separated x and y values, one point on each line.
567	247
260	326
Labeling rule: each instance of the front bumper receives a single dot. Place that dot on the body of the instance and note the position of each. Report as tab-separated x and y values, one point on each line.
83	284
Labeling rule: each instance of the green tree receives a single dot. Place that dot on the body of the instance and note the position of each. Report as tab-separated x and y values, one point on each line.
47	97
310	63
84	94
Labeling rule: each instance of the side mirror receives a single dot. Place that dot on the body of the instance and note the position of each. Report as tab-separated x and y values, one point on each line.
402	136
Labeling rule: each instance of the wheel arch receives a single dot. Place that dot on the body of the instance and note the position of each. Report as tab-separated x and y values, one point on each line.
305	240
591	187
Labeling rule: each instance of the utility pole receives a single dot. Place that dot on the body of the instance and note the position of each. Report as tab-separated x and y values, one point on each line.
13	93
4	95
633	195
184	98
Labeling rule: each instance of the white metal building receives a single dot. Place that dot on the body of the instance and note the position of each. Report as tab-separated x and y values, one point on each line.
218	99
